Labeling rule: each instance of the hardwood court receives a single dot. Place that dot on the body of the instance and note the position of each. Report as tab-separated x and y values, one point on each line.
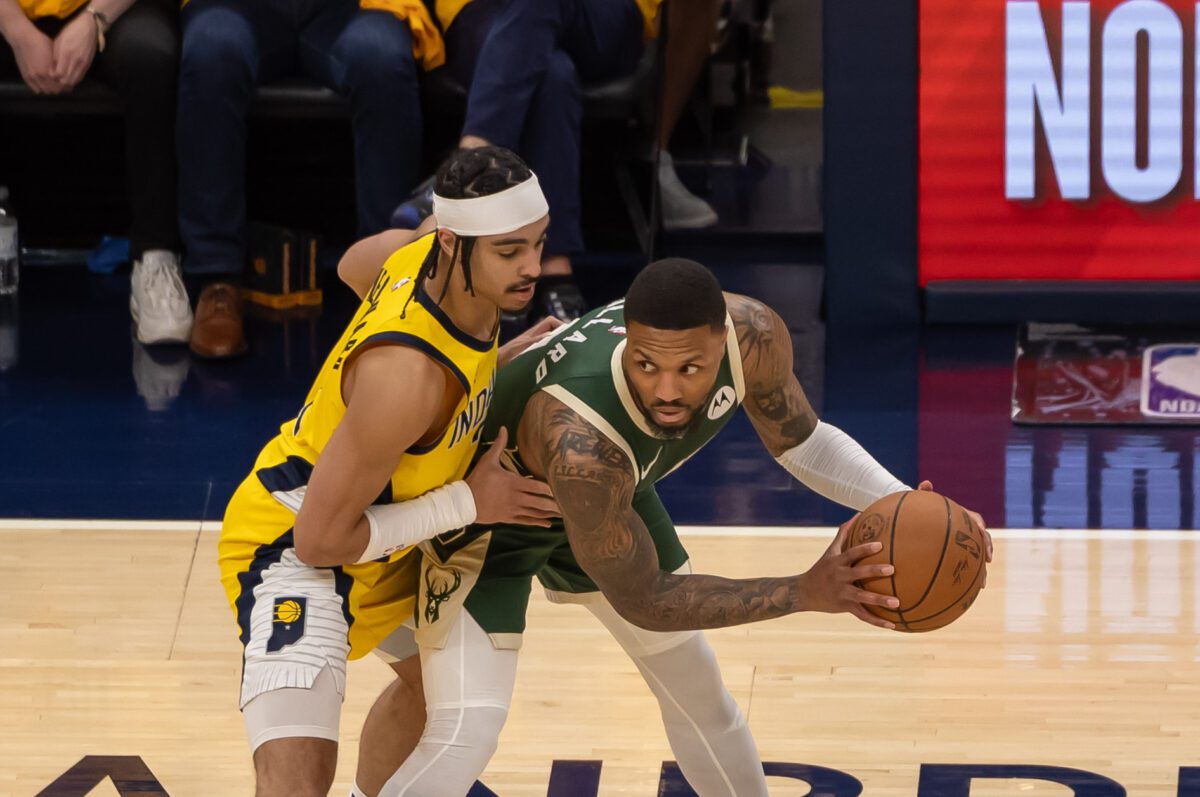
1082	652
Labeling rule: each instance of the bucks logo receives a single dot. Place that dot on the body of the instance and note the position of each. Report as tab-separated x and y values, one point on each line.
440	584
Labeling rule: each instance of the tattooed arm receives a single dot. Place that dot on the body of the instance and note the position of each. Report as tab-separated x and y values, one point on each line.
593	482
775	401
821	456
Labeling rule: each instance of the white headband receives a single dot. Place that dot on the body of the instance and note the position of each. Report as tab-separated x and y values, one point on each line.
509	210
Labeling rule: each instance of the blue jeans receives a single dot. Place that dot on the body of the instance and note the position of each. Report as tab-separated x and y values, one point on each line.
229	47
524	61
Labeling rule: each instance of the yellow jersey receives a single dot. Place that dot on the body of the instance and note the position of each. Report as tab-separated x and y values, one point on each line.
258	523
447	10
36	9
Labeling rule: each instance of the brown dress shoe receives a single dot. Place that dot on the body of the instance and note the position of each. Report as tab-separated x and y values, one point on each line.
217	331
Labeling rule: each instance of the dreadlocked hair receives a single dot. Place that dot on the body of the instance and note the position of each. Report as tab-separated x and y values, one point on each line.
468	173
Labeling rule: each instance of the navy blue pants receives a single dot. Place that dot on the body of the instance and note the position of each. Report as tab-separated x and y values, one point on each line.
230	46
524	61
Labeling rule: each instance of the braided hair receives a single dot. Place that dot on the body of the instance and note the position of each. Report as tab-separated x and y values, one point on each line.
469	173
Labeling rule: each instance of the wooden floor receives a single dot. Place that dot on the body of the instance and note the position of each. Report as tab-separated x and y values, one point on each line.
1082	652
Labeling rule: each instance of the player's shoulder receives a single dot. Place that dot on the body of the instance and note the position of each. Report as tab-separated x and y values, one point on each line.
747	309
383	371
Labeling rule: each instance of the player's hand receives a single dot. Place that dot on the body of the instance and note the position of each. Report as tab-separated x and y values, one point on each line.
978	520
74	51
521	342
34	53
502	496
830	586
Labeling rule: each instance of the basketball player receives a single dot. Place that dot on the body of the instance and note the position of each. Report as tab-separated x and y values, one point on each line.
601	410
316	549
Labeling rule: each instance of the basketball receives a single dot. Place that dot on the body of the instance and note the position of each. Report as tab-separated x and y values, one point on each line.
937	550
287	612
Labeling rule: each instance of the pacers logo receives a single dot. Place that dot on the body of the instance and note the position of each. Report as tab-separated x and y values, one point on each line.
287	623
722	403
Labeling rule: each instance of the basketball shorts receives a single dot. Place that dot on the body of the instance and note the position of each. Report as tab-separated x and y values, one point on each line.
294	620
489	572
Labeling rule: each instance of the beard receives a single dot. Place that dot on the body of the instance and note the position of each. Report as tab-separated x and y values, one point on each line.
673	432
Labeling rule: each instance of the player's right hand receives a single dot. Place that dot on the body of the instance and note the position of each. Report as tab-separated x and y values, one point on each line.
502	496
831	584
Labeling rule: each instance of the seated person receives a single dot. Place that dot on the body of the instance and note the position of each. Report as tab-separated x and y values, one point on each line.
524	60
132	46
366	52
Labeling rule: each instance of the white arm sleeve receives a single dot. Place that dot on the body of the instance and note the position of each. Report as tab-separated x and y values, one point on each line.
400	525
831	463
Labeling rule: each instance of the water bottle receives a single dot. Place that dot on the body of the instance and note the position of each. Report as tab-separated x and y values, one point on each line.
10	252
9	331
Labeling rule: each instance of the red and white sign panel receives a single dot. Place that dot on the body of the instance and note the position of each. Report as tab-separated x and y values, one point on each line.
1058	140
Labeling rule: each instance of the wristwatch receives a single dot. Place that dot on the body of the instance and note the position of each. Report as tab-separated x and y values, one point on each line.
102	26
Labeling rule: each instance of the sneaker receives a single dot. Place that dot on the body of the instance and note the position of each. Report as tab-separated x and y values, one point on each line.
416	209
681	209
559	297
158	301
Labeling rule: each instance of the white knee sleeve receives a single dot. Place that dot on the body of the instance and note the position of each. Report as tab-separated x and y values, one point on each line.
704	725
468	689
291	712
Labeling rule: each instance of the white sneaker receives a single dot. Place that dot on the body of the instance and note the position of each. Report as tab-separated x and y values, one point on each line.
681	209
158	301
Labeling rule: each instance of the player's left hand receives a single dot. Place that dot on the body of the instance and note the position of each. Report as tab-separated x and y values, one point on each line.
520	343
977	518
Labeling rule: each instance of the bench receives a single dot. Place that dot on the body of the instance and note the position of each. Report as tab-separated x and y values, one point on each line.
631	102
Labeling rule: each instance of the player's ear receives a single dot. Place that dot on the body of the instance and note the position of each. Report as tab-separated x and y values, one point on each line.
446	241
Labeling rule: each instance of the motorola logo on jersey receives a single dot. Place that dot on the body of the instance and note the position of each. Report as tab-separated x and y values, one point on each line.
1137	120
722	403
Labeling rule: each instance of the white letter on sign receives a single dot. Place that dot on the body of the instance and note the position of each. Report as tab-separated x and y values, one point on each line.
1196	114
1164	163
1030	84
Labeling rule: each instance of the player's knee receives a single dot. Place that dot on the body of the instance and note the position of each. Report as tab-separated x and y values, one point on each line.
475	729
295	767
404	702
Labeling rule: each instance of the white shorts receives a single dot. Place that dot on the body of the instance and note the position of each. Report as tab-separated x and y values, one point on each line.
294	676
315	711
298	628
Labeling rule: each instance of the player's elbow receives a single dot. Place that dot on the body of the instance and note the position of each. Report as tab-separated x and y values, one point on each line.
349	274
314	549
639	610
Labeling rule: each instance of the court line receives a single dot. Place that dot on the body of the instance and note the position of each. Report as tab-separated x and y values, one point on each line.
787	532
28	524
826	532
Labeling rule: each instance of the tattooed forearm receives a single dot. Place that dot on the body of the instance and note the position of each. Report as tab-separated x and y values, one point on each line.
697	601
775	401
593	482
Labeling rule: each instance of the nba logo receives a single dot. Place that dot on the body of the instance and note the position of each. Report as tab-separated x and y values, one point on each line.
287	623
1171	381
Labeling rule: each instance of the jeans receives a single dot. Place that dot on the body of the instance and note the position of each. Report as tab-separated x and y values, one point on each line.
229	47
524	61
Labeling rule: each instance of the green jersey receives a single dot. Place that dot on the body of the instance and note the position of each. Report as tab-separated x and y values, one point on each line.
488	570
